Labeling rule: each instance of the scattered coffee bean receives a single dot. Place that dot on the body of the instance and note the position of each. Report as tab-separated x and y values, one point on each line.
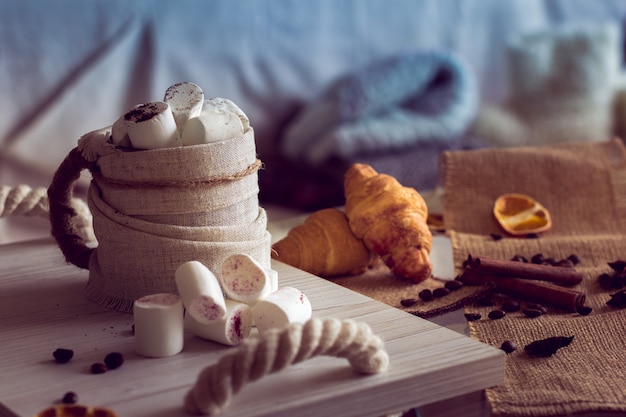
472	316
610	281
495	236
98	368
615	280
532	236
519	258
618	299
565	263
532	312
440	292
113	360
547	347
69	398
549	261
508	346
496	314
537	258
583	310
62	355
575	259
510	306
453	285
408	302
426	295
538	307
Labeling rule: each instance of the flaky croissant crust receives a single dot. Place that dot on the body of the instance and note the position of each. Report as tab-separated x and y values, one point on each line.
324	245
391	220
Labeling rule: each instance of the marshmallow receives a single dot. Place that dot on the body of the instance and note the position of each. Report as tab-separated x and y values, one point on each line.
229	330
159	327
216	122
152	126
119	133
200	291
273	277
244	279
185	100
226	104
286	306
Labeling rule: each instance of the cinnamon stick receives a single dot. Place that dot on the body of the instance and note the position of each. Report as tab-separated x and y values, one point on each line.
555	274
539	292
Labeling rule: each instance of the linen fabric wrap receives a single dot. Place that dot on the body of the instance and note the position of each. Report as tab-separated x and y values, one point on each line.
156	209
584	188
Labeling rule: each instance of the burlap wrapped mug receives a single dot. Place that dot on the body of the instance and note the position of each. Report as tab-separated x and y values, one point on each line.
156	209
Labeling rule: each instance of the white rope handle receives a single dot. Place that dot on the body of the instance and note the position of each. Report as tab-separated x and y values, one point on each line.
277	349
33	202
23	200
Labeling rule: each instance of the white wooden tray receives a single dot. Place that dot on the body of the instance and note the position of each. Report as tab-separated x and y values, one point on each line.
42	308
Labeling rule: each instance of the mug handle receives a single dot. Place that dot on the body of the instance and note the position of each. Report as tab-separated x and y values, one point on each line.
63	214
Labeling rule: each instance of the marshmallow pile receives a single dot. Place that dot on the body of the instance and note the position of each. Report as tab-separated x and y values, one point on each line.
183	118
222	310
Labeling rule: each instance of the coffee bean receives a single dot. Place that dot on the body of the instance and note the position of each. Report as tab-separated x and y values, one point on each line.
583	310
453	285
549	261
519	258
508	346
575	259
98	368
408	302
538	307
69	398
565	263
495	236
472	316
113	360
532	312
496	314
537	258
426	295
62	355
440	292
532	236
615	281
510	306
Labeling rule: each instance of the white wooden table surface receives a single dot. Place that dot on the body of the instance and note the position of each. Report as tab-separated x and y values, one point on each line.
42	308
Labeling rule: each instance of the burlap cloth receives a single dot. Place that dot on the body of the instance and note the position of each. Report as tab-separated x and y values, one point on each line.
584	188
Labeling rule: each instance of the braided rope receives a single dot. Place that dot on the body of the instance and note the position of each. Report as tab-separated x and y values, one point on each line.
23	200
276	350
33	202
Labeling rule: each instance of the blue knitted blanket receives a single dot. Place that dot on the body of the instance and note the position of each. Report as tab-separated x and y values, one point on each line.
407	99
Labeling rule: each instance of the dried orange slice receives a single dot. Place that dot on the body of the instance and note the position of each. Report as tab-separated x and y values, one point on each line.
520	214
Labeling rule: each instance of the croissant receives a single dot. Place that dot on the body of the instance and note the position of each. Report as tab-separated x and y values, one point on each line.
391	220
324	245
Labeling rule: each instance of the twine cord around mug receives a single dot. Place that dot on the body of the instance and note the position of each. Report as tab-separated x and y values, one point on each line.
252	168
277	349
